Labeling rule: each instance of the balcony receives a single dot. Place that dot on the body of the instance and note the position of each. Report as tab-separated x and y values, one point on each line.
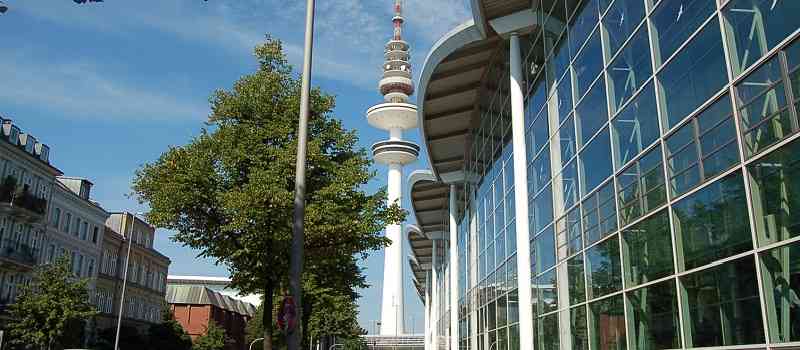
19	202
18	253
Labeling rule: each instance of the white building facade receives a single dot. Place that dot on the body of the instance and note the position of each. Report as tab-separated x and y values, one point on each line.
611	174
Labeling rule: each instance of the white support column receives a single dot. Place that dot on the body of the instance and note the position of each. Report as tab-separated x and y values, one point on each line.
435	304
453	268
392	315
427	310
473	268
521	196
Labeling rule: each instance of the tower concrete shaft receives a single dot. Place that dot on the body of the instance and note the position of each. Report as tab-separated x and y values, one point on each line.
395	115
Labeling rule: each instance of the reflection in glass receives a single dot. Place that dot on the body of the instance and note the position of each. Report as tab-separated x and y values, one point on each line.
641	186
566	140
697	73
544	250
702	148
575	278
539	172
547	332
542	210
595	162
781	274
713	223
723	305
545	293
766	115
579	332
588	65
653	312
569	182
756	26
647	250
636	127
603	268
608	324
674	21
599	214
630	69
775	185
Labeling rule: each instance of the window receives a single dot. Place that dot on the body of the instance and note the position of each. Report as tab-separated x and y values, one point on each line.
547	331
565	139
641	187
636	127
756	26
723	305
56	217
591	113
90	268
603	268
577	317
76	231
67	223
595	162
563	97
702	148
630	70
79	266
539	172
647	250
775	182
538	134
654	315
607	321
569	232
95	233
568	181
697	73
713	223
781	275
620	21
84	230
674	21
582	22
762	102
599	214
544	250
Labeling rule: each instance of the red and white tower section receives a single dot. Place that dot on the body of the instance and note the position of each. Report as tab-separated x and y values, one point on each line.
395	115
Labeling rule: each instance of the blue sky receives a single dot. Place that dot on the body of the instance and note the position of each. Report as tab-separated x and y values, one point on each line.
109	86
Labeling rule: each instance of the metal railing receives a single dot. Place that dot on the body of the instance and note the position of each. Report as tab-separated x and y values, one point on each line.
18	252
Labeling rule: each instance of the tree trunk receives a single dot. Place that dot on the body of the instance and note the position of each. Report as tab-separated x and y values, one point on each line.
269	290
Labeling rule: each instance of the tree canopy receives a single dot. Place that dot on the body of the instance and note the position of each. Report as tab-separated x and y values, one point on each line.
229	191
51	308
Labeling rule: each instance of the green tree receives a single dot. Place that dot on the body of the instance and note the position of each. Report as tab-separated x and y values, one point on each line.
213	339
47	308
229	192
169	334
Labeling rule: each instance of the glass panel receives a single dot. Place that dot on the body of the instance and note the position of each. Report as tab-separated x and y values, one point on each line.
542	210
538	135
647	250
630	69
697	73
723	305
636	127
765	113
539	172
566	139
603	268
575	278
781	274
713	223
674	21
502	311
580	336
569	180
653	312
641	187
545	250
620	21
588	65
595	162
599	214
582	23
547	329
756	26
573	227
563	97
608	324
591	113
545	292
775	182
513	306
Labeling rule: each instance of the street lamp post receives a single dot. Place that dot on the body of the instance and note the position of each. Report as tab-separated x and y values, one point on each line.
124	283
298	227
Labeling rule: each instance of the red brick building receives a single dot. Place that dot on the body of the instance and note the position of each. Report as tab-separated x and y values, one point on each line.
196	306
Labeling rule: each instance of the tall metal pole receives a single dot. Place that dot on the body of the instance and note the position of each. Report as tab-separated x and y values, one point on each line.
124	284
296	261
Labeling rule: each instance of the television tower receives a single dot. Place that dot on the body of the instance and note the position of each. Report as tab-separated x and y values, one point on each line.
394	115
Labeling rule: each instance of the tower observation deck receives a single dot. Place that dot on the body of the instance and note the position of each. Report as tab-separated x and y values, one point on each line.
394	115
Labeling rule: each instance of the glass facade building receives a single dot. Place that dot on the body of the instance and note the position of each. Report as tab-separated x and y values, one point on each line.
662	164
